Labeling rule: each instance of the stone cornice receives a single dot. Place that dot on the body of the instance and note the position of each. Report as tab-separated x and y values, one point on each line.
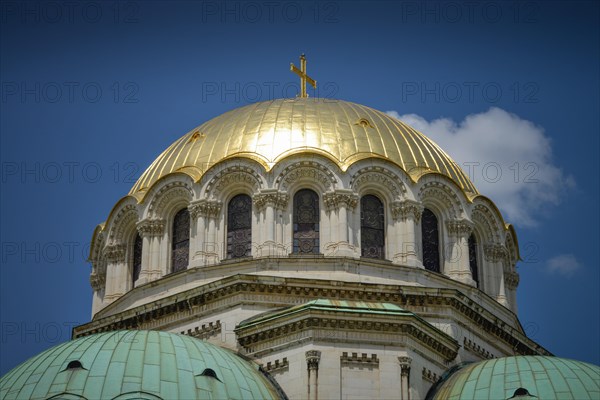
204	208
477	349
333	200
362	359
205	331
151	227
402	210
187	305
382	329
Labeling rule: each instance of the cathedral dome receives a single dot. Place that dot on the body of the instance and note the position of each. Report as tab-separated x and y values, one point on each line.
137	365
269	131
521	377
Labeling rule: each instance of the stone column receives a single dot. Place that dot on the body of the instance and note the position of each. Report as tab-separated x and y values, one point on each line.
270	202
511	278
313	357
406	215
151	231
205	245
338	203
98	282
458	260
494	255
405	377
116	272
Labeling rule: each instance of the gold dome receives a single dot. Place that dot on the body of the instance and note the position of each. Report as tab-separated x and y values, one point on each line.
269	131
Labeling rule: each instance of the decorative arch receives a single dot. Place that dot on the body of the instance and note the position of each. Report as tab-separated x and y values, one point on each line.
306	222
440	195
231	177
319	176
381	179
172	191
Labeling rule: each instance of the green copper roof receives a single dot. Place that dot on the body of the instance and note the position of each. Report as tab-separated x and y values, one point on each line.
547	378
363	307
134	365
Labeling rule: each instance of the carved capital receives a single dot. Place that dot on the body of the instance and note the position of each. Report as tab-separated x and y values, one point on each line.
277	199
404	365
403	210
97	281
459	227
333	200
494	252
115	253
151	227
312	359
511	278
204	208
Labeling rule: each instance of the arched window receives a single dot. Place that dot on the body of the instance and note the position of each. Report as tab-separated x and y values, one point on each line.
430	241
181	241
372	239
473	258
306	222
239	226
137	258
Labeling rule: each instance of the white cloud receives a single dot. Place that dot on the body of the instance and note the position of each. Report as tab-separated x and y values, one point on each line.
509	159
563	264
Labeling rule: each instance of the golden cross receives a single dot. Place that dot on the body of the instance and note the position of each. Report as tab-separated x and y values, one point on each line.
303	77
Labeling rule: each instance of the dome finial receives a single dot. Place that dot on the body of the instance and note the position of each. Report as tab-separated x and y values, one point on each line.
303	77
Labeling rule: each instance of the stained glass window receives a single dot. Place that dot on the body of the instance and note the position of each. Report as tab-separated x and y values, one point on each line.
181	241
239	226
473	258
306	222
430	241
137	257
372	239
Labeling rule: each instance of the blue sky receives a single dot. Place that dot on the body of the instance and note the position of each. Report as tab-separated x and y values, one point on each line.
92	92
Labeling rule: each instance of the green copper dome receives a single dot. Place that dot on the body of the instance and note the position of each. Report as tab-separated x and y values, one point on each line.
522	377
137	365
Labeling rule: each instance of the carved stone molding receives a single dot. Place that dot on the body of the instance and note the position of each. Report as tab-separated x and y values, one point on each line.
169	193
403	210
439	192
312	359
362	359
307	170
97	281
333	200
382	177
233	175
115	253
430	376
477	349
151	227
459	227
275	198
205	208
277	365
404	365
205	331
123	219
494	252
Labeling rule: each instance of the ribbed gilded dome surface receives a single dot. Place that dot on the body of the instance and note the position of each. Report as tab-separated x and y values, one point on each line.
269	131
